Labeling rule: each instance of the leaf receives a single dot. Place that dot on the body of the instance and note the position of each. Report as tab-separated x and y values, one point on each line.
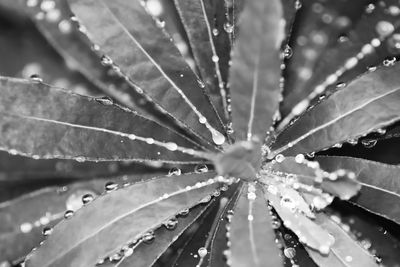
319	27
251	237
120	217
345	252
308	232
22	219
73	46
380	192
45	122
219	238
147	254
303	173
148	58
366	104
255	72
198	19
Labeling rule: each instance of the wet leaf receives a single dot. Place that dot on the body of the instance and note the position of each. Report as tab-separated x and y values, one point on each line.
255	71
45	122
145	54
120	217
308	232
198	20
147	254
344	252
380	192
366	104
252	239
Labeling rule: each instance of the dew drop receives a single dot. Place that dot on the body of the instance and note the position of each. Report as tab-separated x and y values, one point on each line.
171	224
324	250
106	61
228	27
105	100
217	137
393	43
148	237
184	212
287	52
110	186
174	171
36	78
201	168
215	32
80	159
290	253
276	224
65	26
297	4
369	142
26	227
171	146
68	214
348	258
384	28
215	58
299	158
47	231
202	252
280	158
87	198
389	62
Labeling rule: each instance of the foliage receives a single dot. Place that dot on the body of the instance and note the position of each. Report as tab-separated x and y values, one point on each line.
237	118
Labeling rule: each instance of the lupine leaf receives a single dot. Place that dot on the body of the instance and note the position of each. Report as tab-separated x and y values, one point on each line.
147	254
22	219
308	232
380	192
219	239
252	239
198	20
55	25
118	218
313	36
366	104
345	251
45	122
148	58
255	72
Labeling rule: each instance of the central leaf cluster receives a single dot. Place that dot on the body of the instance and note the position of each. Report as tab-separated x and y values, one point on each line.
241	160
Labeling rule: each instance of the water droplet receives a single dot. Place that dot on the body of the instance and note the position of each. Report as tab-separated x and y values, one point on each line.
370	8
65	26
87	198
276	224
369	142
297	4
174	171
348	258
47	5
68	214
184	212
36	78
215	58
202	252
171	146
80	159
324	250
394	10
371	68
217	137
228	27
290	253
389	62
106	61
384	28
366	244
105	100
160	23
26	227
280	158
393	43
148	237
311	154
47	231
287	52
201	168
201	83
215	32
205	200
171	224
110	186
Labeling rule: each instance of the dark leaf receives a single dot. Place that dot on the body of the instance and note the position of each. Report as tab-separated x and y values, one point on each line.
380	192
255	71
319	27
22	219
147	254
251	236
120	217
366	104
45	122
344	252
142	51
198	20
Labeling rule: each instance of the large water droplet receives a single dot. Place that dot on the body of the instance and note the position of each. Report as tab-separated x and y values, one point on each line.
174	171
228	27
384	28
217	137
171	224
68	214
106	61
87	198
201	168
202	252
110	186
290	253
287	52
148	237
